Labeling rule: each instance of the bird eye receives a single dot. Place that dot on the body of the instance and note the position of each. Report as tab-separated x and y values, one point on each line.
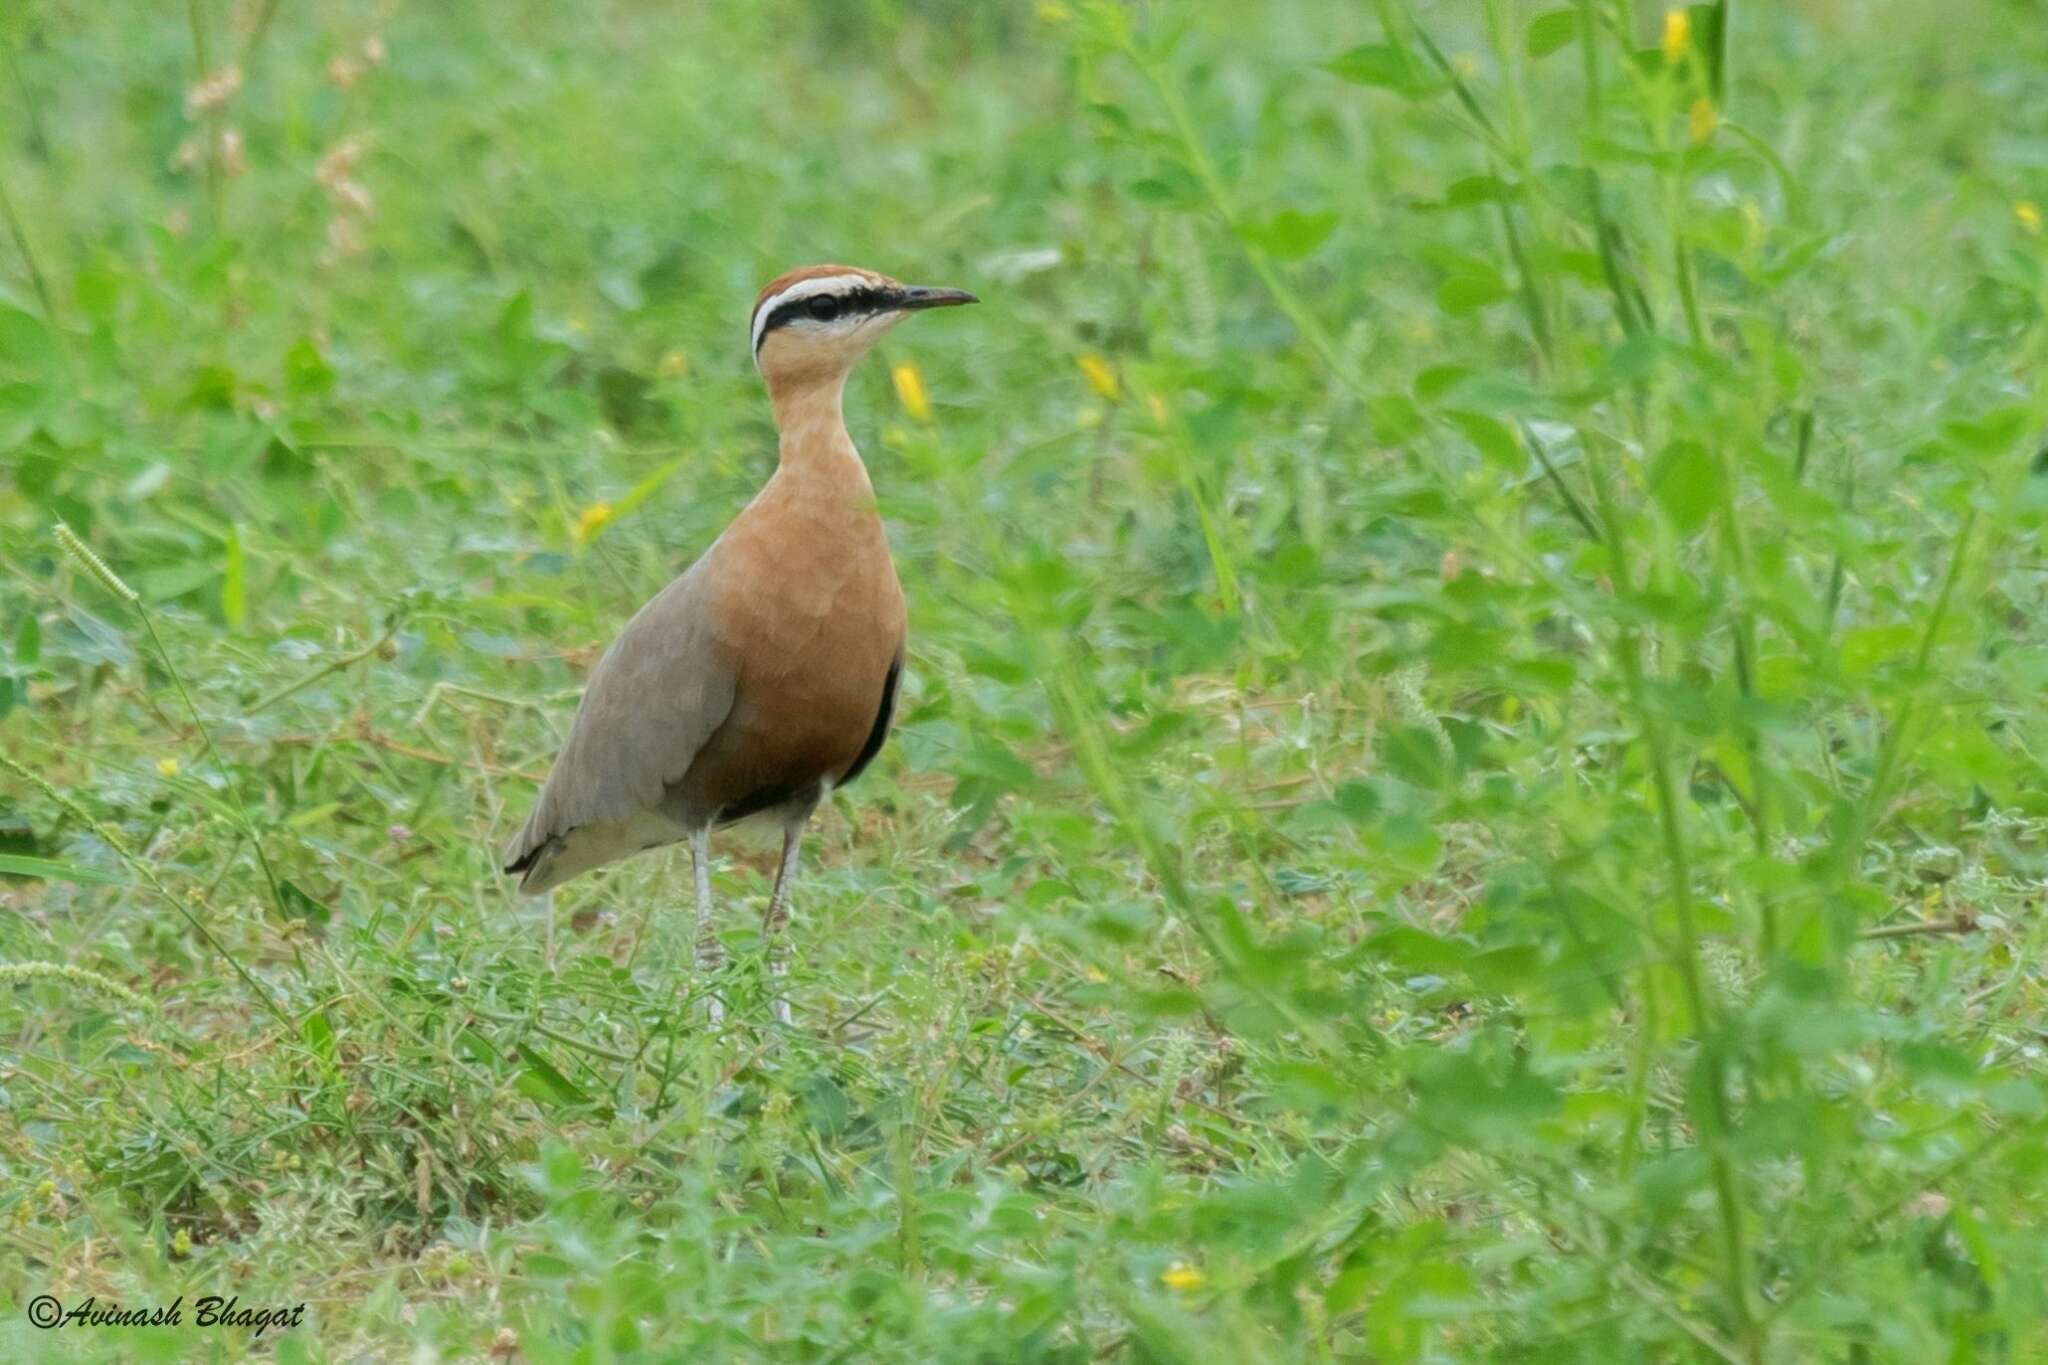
823	307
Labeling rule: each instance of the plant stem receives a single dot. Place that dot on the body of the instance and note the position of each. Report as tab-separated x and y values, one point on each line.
142	868
1870	809
332	666
1713	1126
210	123
1197	154
36	279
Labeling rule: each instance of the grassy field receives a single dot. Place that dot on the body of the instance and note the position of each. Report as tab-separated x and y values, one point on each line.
1470	783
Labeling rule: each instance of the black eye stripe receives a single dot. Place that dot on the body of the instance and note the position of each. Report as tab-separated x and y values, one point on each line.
855	302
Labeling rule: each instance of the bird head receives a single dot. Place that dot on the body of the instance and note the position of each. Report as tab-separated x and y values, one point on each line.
812	324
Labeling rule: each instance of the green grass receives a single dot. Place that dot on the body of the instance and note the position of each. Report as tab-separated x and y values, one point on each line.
1470	783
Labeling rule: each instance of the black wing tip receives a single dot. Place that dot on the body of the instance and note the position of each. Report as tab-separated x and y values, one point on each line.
879	734
534	864
526	865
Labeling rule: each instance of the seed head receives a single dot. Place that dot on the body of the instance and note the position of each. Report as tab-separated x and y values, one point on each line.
213	91
351	195
337	161
82	555
343	241
234	160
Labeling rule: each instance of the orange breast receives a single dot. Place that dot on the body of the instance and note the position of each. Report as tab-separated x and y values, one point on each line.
805	596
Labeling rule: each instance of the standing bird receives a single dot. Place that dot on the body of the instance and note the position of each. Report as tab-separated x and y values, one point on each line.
765	676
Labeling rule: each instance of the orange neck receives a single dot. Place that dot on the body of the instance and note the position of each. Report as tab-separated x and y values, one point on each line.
811	422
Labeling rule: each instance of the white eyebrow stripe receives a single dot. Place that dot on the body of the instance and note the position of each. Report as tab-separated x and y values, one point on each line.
802	289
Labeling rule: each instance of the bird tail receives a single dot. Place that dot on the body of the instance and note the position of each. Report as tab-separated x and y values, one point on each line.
531	858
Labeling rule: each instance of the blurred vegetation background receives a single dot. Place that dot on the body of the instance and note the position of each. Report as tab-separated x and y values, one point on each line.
1469	785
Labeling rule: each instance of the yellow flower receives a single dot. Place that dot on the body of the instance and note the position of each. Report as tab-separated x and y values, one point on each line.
2029	214
167	767
674	365
1156	405
591	520
910	391
1701	121
1677	34
1183	1277
1101	377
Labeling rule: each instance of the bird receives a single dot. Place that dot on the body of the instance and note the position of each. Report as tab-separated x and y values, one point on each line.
764	677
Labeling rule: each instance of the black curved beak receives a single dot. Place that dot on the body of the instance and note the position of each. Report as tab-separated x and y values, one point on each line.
912	297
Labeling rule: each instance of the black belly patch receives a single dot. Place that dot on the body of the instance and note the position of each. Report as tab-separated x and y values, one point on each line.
754	802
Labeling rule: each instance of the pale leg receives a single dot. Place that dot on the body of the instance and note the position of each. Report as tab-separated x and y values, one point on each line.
710	953
548	943
776	917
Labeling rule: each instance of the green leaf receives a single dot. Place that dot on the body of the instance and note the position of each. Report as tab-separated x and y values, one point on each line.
1981	1247
173	580
1169	186
1479	189
306	371
1706	41
1993	432
1868	649
28	639
1549	32
544	1083
1687	482
561	1169
1394	417
1413	950
1377	65
1439	381
1461	294
1415	754
24	341
2014	1098
318	1033
1495	440
21	865
293	901
234	582
1289	234
648	487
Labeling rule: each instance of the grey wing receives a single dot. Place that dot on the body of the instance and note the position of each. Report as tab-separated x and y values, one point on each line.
653	700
